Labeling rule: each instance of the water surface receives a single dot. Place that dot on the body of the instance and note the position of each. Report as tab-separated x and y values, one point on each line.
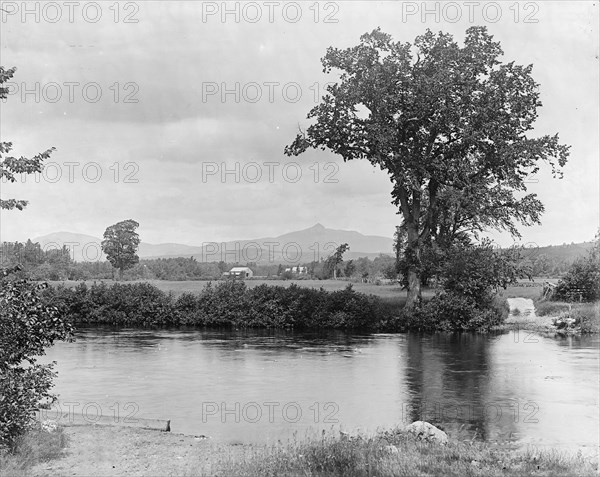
259	386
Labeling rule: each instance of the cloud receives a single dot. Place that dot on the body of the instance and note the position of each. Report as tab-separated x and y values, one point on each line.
183	93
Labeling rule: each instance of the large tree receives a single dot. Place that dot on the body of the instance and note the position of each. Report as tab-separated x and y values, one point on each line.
449	124
120	245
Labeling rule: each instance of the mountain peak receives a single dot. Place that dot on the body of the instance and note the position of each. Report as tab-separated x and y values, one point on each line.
317	226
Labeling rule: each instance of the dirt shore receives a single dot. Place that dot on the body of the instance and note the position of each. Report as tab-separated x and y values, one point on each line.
522	317
119	451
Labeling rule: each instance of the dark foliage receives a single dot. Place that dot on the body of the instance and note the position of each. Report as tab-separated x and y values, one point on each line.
227	304
28	325
582	281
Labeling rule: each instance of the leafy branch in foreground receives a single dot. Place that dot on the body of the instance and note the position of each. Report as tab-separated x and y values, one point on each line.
11	166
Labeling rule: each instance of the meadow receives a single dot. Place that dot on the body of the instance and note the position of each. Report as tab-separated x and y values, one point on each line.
388	292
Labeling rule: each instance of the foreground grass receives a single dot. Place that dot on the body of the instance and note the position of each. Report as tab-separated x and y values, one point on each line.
111	451
394	453
35	447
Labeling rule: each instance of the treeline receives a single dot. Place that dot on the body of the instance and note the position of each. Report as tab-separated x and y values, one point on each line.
53	264
57	264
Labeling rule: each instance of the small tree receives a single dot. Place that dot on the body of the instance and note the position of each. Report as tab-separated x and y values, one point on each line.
120	245
349	268
336	259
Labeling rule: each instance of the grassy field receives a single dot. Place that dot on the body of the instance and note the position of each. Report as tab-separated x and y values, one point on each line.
388	292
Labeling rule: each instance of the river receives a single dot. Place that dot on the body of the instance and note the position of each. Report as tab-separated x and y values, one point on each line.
516	388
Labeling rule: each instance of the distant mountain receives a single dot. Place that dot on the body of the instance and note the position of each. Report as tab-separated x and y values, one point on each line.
84	248
305	245
300	246
565	253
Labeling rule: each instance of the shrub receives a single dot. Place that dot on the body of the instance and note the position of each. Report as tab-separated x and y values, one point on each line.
476	271
450	311
27	327
226	304
118	304
582	281
468	274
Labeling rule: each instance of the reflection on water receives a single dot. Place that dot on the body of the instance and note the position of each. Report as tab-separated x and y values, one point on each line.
262	386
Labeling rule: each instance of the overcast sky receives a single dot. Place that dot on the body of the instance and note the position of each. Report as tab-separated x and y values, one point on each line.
149	103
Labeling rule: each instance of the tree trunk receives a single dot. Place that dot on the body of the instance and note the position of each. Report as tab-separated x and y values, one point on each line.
413	260
414	289
120	274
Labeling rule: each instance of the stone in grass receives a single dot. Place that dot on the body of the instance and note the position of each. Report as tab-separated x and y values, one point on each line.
392	449
49	426
427	432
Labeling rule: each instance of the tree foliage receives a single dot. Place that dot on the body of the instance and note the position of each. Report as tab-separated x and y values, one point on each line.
335	259
11	166
27	327
449	124
120	245
582	281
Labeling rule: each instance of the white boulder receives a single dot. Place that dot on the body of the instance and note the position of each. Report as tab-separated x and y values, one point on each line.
425	431
49	426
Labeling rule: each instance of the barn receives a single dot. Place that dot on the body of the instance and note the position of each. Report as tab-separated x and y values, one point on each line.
241	272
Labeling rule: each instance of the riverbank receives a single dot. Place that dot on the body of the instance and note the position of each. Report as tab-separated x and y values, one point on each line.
248	304
117	451
552	318
233	305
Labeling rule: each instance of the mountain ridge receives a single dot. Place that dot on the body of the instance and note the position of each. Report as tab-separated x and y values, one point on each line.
313	243
309	244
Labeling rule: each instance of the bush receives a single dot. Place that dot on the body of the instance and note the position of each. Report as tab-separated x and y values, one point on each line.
582	281
476	271
469	275
27	327
451	311
226	304
118	304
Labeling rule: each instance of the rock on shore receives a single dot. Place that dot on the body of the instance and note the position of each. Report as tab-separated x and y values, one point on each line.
425	431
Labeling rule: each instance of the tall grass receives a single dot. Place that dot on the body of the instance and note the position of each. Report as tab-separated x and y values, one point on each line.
32	448
394	453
